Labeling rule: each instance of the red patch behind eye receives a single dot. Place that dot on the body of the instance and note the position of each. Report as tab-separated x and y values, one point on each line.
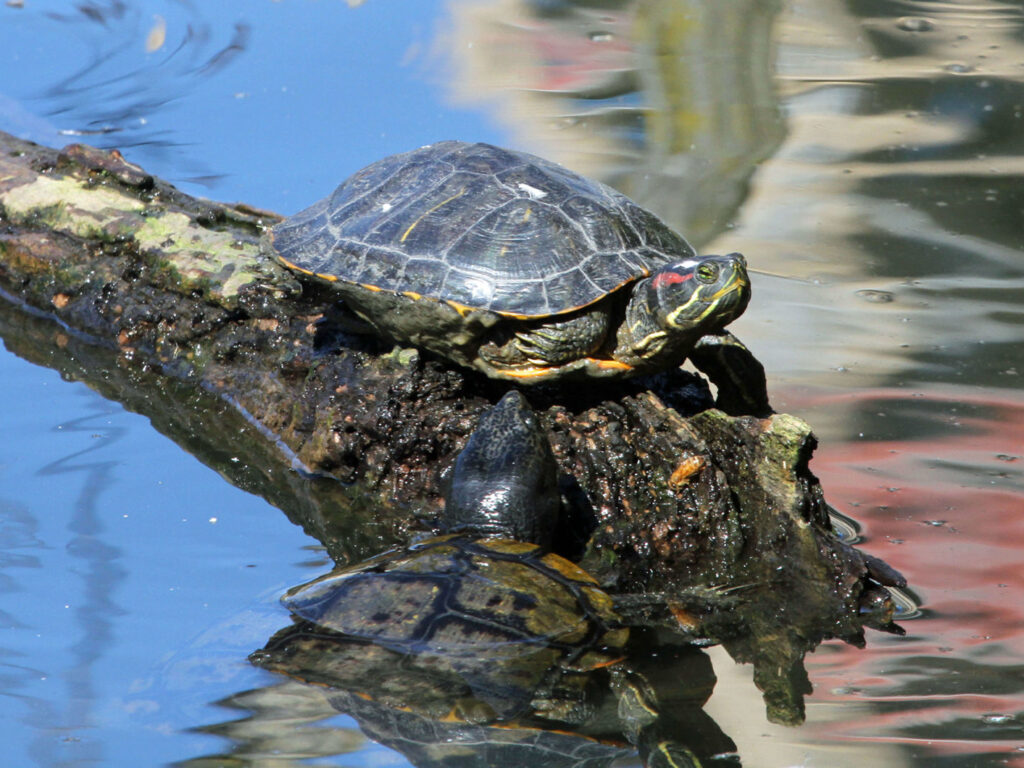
668	278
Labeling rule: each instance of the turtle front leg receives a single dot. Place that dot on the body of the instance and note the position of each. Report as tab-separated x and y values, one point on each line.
551	343
739	376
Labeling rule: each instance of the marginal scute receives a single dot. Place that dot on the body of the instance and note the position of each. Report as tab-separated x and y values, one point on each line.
509	546
568	569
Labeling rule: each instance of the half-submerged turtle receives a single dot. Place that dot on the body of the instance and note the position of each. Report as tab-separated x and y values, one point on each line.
513	265
480	641
487	588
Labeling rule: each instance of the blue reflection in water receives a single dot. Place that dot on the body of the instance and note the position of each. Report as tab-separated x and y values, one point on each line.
118	555
94	564
234	92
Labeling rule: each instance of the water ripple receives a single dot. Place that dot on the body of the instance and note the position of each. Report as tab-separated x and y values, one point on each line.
135	63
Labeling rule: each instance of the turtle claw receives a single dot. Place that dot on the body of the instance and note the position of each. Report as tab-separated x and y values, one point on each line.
739	376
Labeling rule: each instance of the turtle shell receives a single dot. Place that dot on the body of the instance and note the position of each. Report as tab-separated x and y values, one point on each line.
459	596
479	226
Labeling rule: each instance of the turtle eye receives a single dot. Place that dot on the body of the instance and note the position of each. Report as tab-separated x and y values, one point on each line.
707	272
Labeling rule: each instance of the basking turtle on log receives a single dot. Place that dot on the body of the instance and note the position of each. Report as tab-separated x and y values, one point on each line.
513	265
170	305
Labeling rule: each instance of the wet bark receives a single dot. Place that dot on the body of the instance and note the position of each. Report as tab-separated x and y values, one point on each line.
165	303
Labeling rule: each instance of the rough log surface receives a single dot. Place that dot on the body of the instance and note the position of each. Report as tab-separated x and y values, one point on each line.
166	304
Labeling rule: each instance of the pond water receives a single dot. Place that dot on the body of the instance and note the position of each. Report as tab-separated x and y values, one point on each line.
868	154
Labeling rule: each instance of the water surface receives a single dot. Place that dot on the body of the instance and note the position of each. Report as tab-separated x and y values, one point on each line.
870	152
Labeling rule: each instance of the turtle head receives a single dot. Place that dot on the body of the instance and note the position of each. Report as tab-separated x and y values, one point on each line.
699	295
505	481
677	305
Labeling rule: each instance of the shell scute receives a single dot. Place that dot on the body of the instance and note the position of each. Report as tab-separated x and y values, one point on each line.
509	240
427	225
428	275
478	158
382	189
654	234
312	251
531	182
457	596
609	234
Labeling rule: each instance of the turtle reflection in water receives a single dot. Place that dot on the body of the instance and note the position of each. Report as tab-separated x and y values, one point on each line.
481	635
513	265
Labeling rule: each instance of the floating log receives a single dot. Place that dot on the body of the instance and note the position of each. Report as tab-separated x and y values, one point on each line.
700	519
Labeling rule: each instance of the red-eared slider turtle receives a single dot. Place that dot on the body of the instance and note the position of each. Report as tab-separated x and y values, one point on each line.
480	639
487	588
513	265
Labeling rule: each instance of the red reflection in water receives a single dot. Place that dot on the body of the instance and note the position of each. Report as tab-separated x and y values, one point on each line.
571	62
946	510
580	52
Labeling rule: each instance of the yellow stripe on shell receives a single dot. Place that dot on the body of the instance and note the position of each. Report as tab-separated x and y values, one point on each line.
435	540
462	309
303	270
508	546
567	569
296	267
412	226
518	316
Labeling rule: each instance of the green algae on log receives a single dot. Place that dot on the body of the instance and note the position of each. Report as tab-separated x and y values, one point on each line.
165	303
